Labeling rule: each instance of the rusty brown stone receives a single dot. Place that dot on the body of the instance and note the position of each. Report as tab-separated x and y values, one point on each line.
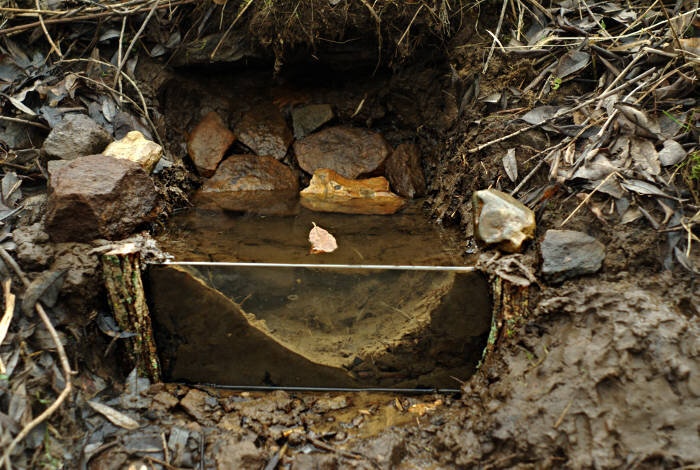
251	183
330	192
404	172
349	151
208	143
98	196
264	130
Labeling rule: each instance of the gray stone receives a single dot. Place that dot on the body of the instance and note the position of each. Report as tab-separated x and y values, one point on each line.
567	254
76	135
500	219
307	119
98	197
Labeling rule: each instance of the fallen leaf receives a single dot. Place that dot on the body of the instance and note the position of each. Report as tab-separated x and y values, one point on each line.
672	153
115	417
321	241
511	165
571	62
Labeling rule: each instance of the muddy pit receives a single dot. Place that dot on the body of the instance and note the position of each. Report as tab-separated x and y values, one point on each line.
232	325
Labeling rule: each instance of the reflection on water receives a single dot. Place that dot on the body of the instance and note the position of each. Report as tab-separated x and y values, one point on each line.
407	238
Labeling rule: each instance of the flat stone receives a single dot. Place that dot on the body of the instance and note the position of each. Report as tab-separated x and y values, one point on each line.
349	151
251	183
500	219
264	131
136	148
330	192
404	172
307	119
76	135
98	197
208	142
567	254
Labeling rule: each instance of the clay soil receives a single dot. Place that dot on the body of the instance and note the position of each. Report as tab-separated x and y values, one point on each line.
602	372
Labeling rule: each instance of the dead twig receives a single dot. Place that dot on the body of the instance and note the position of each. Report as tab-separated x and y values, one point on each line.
122	60
46	32
585	200
9	299
495	36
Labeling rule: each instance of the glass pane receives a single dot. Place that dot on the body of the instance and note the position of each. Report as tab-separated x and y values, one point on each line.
319	326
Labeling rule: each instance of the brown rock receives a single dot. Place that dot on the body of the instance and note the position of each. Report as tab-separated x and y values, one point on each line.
404	172
330	192
348	151
264	130
98	197
208	143
254	184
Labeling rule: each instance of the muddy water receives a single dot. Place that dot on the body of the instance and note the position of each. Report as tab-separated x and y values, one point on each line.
406	238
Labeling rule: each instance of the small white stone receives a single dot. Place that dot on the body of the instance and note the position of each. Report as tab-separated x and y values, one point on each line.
134	146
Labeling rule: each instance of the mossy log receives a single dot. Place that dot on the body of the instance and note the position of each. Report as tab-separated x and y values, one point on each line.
122	276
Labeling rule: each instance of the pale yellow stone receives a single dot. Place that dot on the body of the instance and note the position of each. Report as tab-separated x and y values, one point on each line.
330	192
134	146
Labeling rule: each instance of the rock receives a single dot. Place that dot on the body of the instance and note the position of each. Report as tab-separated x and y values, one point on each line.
250	183
330	192
348	151
208	142
501	219
33	249
567	254
98	197
76	135
264	130
307	119
134	146
231	453
404	172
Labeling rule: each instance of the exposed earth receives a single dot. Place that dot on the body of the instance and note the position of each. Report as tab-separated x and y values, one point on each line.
593	358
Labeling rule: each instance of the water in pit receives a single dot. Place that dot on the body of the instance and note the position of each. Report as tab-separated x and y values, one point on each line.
320	327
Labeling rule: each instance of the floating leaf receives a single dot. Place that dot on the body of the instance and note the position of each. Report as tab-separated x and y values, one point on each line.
321	240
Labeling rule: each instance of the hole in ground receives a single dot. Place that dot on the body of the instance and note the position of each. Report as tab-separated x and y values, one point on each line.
313	326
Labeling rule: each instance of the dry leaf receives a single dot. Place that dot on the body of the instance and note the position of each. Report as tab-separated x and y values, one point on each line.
115	417
321	240
422	408
511	165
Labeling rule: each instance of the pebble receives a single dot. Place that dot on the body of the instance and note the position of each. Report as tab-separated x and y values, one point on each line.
567	254
502	220
76	135
134	147
404	172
